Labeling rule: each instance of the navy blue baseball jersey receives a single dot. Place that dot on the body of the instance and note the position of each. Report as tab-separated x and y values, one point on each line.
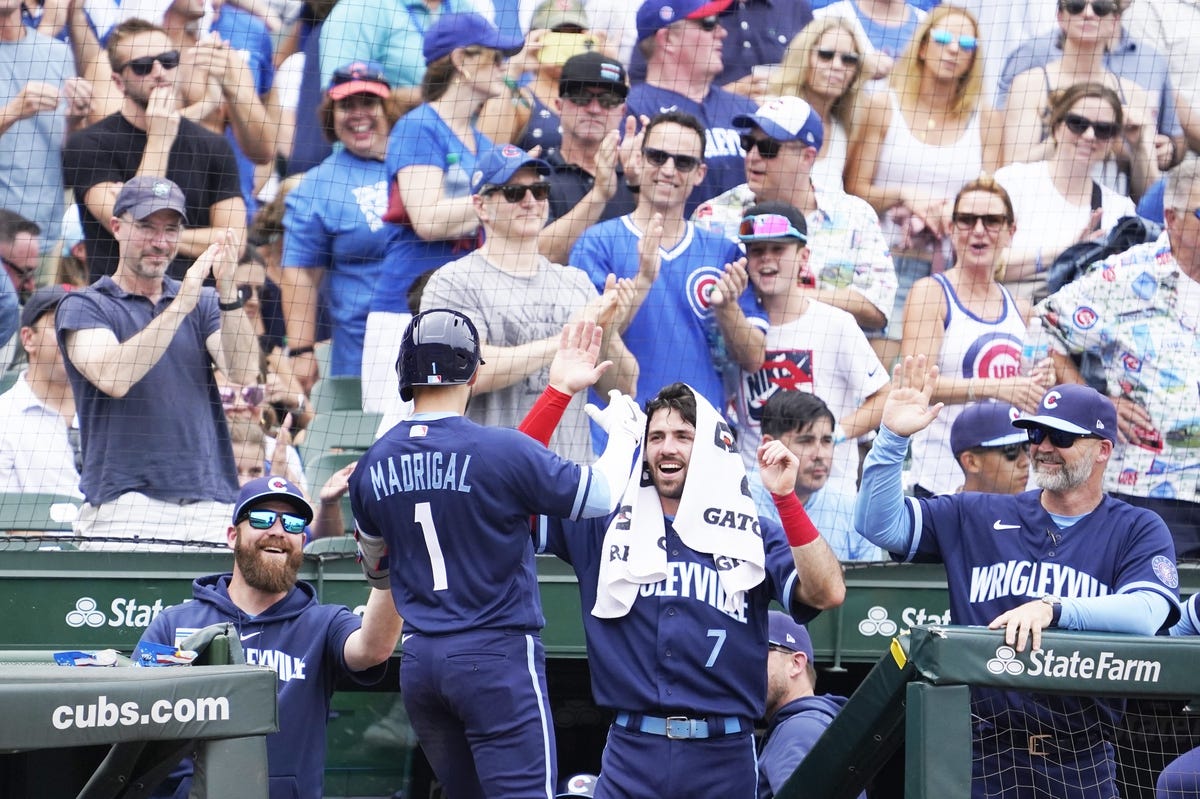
303	641
452	499
722	142
677	649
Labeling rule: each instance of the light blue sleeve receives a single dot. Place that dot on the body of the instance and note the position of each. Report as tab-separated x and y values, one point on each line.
10	311
1189	621
879	512
1138	612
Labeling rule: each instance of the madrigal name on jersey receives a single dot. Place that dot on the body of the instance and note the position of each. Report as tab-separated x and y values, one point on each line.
1033	579
420	471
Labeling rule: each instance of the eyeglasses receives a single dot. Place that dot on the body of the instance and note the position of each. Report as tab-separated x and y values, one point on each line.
944	37
1010	451
153	231
145	65
707	24
263	519
684	163
768	148
23	272
779	648
497	56
848	59
583	98
251	395
1078	125
768	226
515	192
1101	8
991	222
1058	438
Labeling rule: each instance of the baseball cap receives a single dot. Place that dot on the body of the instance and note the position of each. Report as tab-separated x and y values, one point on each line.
553	14
272	487
42	301
985	424
145	194
1076	409
654	15
782	630
773	221
452	31
577	785
593	69
361	77
786	119
500	163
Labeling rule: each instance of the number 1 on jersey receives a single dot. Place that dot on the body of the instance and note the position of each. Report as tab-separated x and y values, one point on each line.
423	516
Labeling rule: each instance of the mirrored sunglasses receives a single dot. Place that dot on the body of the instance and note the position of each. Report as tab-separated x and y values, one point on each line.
251	395
943	37
263	519
768	226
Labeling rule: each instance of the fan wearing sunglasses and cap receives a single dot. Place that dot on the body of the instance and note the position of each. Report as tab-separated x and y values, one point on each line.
282	625
1066	555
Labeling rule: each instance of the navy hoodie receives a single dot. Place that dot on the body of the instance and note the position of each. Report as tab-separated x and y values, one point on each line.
792	731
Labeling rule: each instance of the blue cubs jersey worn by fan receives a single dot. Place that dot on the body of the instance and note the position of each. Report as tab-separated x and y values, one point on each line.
452	499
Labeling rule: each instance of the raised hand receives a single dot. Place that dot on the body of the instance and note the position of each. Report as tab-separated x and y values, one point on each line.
907	408
777	467
649	258
732	283
575	366
621	415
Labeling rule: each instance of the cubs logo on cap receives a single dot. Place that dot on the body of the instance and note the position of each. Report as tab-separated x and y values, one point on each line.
272	487
1076	409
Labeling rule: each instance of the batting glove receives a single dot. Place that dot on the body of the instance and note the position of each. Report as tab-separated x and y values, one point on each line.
621	416
373	557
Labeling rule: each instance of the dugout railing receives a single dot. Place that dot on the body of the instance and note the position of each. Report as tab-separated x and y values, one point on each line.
918	697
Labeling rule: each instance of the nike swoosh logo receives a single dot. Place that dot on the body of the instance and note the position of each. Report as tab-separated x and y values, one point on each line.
873	371
248	636
666	109
999	525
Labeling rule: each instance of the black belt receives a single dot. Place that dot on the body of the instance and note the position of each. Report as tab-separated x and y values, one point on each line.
681	727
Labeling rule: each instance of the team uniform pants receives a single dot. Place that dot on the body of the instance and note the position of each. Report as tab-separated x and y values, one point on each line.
1007	768
639	765
479	705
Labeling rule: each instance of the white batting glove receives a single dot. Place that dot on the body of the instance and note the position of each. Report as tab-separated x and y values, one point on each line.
621	416
373	557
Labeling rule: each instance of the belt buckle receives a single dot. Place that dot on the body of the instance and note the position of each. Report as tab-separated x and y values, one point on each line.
682	721
1035	745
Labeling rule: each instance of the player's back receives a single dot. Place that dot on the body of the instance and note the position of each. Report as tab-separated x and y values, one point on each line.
453	500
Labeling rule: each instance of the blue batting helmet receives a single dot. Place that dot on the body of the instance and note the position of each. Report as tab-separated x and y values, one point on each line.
440	348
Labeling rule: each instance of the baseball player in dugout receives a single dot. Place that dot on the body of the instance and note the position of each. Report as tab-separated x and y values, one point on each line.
442	506
675	587
1065	555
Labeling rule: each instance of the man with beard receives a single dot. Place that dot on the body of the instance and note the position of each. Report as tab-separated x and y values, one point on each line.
1066	556
149	138
282	625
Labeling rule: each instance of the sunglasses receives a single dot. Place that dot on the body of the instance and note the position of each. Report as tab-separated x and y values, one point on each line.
684	163
780	648
263	519
1079	125
251	395
944	37
497	56
848	59
707	24
1058	438
248	292
24	272
768	226
583	98
768	148
991	222
1101	8
145	65
515	192
1010	451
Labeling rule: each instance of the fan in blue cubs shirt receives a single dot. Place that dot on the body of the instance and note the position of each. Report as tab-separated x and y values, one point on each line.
1066	555
281	624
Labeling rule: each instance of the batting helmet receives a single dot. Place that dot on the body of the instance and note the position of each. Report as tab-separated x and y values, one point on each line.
440	348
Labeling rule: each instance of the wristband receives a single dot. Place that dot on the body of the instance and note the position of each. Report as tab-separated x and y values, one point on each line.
798	528
231	306
545	415
296	352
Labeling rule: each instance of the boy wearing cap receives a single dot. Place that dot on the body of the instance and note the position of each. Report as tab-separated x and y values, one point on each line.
811	346
36	455
993	454
796	715
141	351
281	624
519	302
1065	555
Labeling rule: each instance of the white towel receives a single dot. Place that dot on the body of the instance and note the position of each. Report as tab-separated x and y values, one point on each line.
716	516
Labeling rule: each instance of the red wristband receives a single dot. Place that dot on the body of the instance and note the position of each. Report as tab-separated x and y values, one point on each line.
545	415
798	528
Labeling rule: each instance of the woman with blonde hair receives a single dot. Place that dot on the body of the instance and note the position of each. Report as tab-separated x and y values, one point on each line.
823	65
928	137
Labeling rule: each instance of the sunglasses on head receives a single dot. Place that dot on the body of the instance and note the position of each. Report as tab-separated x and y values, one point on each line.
251	395
768	226
1101	8
515	192
991	222
944	37
1010	451
707	24
1058	438
1079	124
145	65
684	163
768	148
263	519
848	59
583	98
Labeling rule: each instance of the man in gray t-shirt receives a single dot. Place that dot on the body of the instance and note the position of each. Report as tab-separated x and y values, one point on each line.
519	302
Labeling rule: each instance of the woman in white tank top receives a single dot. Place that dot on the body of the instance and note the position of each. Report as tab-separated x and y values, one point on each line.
972	328
924	139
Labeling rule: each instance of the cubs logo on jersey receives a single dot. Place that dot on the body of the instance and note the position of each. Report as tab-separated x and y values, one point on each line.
993	355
